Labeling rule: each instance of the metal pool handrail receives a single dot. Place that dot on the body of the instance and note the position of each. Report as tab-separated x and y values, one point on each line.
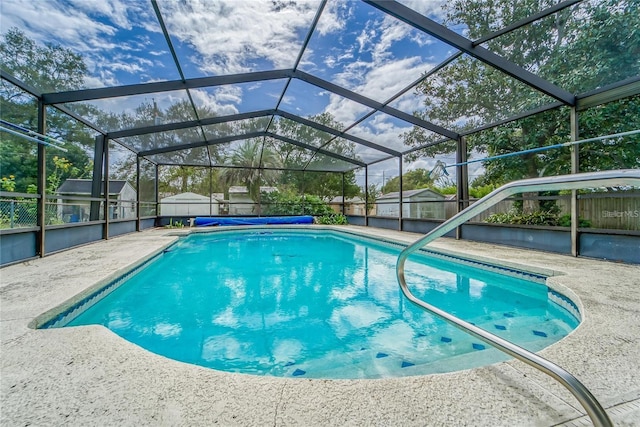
630	177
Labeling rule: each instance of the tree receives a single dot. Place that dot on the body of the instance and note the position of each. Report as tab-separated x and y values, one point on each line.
411	180
49	68
577	51
326	185
371	195
249	159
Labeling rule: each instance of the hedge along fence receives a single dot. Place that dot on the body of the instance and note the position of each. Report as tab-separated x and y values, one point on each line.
617	211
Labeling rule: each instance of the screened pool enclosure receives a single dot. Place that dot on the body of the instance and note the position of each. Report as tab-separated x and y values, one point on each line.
119	116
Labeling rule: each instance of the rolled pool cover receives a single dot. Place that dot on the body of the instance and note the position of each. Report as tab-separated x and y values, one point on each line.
209	221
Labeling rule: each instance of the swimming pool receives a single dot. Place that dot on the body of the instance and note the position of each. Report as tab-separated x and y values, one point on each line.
319	304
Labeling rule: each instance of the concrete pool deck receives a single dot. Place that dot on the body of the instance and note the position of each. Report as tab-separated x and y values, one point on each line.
90	376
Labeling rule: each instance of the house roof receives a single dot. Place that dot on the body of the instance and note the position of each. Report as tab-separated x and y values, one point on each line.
411	193
338	199
242	189
83	186
186	196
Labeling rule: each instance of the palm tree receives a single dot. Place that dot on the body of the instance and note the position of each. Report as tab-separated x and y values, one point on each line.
248	161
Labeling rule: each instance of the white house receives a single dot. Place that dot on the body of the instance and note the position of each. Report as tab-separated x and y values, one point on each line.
240	203
422	203
190	204
122	200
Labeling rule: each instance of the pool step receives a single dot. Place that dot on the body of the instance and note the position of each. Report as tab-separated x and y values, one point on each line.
435	353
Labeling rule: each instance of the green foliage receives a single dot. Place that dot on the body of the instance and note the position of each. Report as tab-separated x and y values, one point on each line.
248	158
482	190
565	221
372	194
8	184
332	219
549	218
533	218
411	180
290	203
326	185
578	49
176	224
49	68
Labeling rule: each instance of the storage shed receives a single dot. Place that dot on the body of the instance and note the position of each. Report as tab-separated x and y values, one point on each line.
421	203
189	204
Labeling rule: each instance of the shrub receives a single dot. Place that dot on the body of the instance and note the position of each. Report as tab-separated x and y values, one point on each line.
565	221
332	219
515	217
288	203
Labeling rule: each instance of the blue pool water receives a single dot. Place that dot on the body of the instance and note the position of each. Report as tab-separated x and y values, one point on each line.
316	304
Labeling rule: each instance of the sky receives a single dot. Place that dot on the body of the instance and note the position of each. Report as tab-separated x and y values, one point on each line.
354	45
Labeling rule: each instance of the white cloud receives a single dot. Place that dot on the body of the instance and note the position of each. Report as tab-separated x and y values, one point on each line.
433	9
334	17
88	27
232	36
223	100
376	82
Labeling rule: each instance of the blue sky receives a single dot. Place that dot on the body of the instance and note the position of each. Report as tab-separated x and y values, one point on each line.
354	45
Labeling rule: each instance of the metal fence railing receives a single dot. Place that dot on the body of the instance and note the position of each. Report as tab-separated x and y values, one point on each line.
18	212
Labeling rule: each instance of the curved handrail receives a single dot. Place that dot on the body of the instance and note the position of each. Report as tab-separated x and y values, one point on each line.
595	411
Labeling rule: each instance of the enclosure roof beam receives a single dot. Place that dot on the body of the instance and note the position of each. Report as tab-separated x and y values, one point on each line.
249	135
514	118
253	114
526	21
155	87
315	149
609	93
216	141
189	124
454	39
336	132
379	106
264	168
5	75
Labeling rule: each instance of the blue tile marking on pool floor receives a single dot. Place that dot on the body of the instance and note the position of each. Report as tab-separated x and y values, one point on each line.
290	363
509	315
539	333
445	339
407	364
478	346
298	372
381	355
500	327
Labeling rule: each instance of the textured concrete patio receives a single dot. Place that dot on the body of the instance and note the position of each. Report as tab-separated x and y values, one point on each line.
90	376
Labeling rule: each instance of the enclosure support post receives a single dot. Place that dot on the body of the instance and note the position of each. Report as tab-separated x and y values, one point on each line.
366	196
138	226
462	179
343	210
575	168
211	191
156	191
303	189
96	182
400	193
107	204
41	220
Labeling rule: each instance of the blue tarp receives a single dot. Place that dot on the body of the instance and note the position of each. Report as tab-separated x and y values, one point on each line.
208	221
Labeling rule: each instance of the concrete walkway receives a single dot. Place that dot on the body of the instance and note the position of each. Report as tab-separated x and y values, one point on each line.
89	376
